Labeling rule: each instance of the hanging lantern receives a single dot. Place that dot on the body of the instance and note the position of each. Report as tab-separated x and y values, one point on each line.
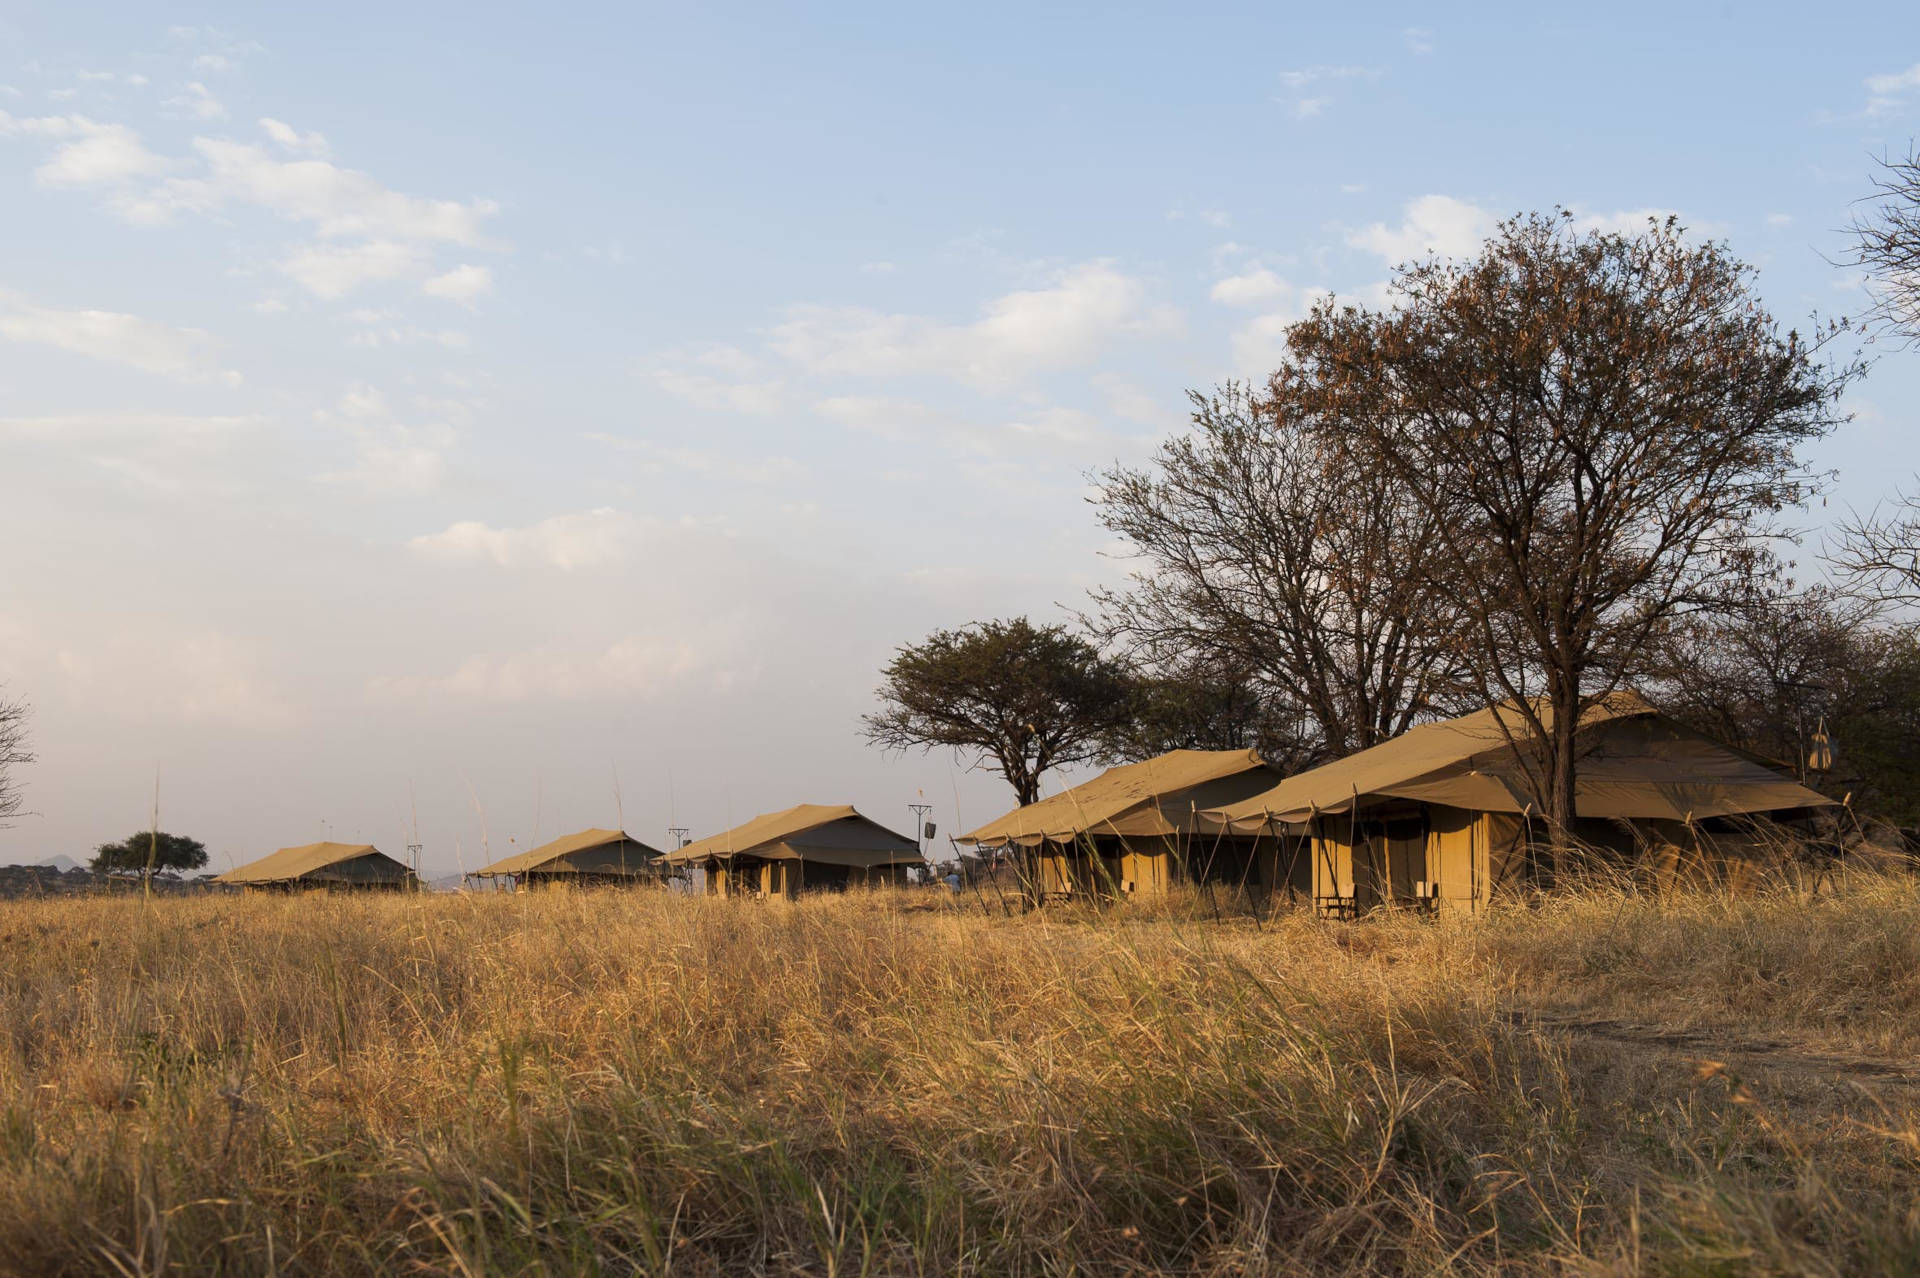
1820	749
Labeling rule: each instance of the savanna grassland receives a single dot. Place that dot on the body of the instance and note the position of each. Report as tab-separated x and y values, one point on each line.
573	1082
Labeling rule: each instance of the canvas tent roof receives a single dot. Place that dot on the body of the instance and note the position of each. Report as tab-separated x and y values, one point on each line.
1635	764
1154	797
552	857
828	833
315	860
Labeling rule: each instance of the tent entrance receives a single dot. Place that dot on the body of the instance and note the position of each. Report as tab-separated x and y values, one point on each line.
1390	864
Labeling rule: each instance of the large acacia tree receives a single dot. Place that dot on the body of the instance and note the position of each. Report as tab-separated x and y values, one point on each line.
148	852
1600	429
1021	697
1262	552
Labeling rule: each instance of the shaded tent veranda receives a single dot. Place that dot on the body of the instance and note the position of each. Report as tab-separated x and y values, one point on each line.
586	857
1443	814
342	866
806	848
1135	827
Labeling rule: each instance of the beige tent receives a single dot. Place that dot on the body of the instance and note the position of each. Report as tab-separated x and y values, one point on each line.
589	857
1443	815
812	847
324	865
1134	828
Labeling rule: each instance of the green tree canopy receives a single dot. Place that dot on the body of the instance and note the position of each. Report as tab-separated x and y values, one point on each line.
162	851
1024	697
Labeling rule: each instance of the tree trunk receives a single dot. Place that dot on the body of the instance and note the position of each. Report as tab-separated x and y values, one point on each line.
1561	808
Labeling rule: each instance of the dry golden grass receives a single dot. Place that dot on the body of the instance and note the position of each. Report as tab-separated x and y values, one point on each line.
613	1082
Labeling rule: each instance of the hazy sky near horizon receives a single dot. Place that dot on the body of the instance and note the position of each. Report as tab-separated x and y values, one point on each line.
498	405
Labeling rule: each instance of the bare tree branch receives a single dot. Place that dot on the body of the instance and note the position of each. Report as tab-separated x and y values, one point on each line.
1879	556
13	753
1264	557
1602	428
1887	248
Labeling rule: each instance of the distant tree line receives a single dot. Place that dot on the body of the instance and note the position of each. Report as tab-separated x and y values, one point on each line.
1563	467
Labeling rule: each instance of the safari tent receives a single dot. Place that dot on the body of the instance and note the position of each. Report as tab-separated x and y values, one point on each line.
338	866
1134	828
588	858
1441	817
809	848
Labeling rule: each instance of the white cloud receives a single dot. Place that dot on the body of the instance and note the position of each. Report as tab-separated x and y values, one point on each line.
197	101
1779	219
1419	40
1254	288
334	270
291	139
183	354
1307	108
1887	94
338	202
214	62
1437	224
1070	322
464	284
385	230
586	539
88	152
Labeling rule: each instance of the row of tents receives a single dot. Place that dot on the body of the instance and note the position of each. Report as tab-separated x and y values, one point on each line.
809	847
1440	818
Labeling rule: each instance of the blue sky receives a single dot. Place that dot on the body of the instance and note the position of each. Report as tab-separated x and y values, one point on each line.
486	404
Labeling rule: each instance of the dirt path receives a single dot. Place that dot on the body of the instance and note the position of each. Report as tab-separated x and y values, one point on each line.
1771	1053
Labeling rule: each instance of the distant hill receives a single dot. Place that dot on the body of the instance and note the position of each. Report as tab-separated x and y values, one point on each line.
60	863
